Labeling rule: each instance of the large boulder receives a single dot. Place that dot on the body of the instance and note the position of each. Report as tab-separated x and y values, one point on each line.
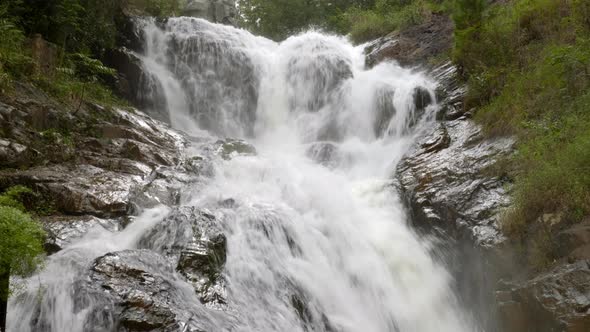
195	243
137	290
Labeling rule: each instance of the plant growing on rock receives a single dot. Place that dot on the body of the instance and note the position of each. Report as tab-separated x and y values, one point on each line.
21	244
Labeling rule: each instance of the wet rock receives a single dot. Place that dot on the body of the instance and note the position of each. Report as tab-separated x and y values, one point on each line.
137	288
195	243
229	148
92	168
136	85
80	189
422	99
414	45
556	300
443	180
325	73
62	230
223	11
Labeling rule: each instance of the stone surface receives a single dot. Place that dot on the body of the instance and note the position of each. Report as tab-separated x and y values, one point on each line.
195	243
136	290
415	45
444	180
136	85
556	300
62	230
229	148
88	163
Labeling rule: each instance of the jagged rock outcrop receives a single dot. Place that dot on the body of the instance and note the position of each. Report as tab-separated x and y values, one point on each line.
415	45
88	164
444	180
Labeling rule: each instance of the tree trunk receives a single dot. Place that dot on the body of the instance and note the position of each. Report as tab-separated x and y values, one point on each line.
4	289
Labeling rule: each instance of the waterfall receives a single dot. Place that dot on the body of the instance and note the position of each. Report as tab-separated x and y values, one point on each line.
317	237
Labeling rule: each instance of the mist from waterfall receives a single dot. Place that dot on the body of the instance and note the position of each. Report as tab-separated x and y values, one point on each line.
318	239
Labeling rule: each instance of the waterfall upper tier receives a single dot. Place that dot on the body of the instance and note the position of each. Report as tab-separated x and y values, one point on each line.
301	231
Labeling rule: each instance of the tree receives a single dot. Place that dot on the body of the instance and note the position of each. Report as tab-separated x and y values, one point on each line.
21	244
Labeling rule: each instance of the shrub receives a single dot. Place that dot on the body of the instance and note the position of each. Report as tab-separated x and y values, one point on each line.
21	239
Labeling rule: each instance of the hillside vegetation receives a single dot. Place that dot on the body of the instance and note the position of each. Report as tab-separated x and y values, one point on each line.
363	20
82	31
528	68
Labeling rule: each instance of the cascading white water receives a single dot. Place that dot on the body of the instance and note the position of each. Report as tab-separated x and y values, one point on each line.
317	237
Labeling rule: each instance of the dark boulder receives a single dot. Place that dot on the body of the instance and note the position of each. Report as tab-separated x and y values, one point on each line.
195	243
137	291
137	85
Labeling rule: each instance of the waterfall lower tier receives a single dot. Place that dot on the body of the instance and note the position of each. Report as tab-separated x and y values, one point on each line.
301	229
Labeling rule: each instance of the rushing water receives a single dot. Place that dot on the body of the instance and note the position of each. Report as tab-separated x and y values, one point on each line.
315	212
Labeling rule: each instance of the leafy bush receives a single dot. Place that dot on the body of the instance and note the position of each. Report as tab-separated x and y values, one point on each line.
21	244
14	196
21	239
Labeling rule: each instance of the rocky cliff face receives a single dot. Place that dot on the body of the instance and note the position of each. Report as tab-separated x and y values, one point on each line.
453	195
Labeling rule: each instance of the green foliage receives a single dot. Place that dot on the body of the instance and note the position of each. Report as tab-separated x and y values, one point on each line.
13	197
21	243
363	19
89	69
385	17
527	64
13	61
21	238
68	88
